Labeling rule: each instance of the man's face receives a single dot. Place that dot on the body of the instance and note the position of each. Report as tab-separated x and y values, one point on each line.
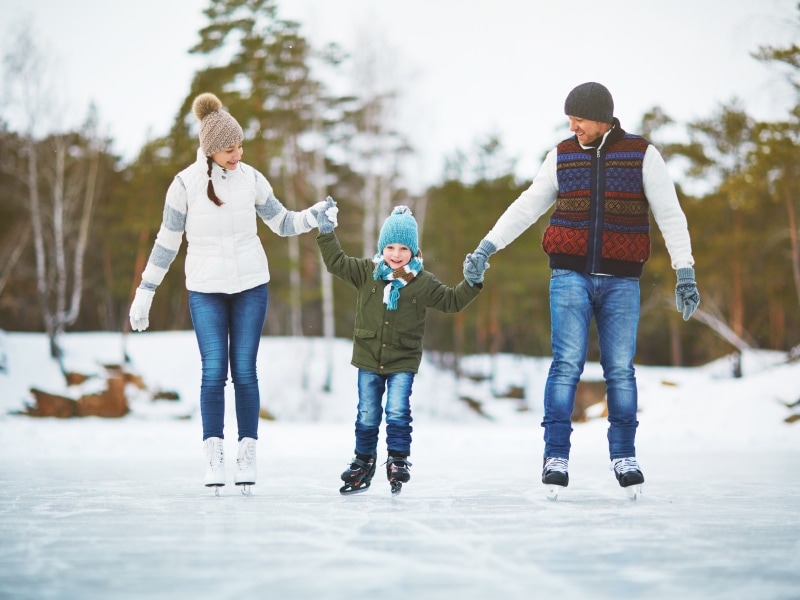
587	131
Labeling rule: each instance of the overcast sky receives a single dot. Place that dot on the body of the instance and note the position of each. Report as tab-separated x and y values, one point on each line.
464	68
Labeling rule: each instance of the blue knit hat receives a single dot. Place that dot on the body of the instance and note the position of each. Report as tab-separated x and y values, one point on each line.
400	228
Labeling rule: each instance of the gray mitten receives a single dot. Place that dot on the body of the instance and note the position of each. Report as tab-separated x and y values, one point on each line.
477	262
327	218
686	295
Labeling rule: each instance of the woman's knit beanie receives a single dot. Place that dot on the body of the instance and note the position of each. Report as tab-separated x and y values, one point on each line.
218	129
399	228
590	101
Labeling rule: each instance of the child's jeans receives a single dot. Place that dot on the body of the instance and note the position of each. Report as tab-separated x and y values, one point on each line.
370	411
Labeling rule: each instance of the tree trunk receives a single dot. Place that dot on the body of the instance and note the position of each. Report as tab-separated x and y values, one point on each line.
295	280
795	253
326	281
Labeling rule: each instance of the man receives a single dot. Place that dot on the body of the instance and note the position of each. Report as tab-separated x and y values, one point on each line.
604	183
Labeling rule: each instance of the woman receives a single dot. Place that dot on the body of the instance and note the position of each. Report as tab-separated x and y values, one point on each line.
215	202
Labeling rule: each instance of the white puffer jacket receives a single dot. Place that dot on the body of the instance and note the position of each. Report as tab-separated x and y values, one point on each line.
224	253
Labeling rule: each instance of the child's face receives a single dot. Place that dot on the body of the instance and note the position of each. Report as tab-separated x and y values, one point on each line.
396	255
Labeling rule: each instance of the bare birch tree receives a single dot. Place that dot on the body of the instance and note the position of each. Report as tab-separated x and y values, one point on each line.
61	172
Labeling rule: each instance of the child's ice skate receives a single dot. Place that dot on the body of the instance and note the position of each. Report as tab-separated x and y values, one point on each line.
358	476
397	471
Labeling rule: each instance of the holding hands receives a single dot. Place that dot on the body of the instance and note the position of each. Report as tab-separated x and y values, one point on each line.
686	295
327	217
478	261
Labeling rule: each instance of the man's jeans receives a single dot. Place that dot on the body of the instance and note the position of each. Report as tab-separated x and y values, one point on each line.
229	326
614	303
370	411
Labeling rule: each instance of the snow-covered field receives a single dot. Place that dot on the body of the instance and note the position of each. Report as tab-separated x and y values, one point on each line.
115	508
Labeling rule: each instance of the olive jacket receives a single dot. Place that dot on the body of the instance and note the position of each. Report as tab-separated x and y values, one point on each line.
390	341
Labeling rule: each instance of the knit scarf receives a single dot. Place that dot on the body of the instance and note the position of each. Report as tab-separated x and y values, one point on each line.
397	278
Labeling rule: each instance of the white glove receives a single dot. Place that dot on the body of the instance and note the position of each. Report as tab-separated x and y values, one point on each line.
333	214
140	309
311	212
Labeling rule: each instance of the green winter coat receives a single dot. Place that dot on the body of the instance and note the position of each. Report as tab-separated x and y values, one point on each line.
390	341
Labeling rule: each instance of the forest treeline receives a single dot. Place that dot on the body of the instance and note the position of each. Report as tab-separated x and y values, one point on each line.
77	225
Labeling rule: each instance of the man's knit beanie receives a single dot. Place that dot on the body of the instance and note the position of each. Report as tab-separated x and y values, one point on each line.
590	101
399	228
218	129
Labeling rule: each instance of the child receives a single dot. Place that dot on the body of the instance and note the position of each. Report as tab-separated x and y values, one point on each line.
394	293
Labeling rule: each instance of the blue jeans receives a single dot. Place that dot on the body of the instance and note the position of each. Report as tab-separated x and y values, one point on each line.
370	411
614	303
229	326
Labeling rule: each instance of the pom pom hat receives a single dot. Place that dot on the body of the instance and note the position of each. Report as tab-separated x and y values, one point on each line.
399	228
218	129
590	101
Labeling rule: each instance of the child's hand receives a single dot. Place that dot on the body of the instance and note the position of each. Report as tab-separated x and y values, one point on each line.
476	263
327	218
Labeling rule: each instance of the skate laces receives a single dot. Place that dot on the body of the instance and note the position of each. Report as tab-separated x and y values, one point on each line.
247	454
398	462
555	463
625	465
214	453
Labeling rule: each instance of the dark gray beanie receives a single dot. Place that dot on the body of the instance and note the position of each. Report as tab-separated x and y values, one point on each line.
590	101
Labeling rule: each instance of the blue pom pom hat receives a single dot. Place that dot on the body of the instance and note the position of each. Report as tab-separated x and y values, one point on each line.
400	228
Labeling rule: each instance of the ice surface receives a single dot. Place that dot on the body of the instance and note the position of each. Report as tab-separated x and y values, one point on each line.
115	508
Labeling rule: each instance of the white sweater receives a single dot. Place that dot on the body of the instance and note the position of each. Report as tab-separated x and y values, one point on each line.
223	253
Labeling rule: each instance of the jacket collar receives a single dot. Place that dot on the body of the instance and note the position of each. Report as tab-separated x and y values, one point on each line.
611	136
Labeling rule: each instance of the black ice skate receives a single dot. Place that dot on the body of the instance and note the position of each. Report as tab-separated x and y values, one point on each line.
397	471
358	476
555	475
629	475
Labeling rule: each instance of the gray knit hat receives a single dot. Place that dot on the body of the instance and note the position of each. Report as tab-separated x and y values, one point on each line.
218	129
590	101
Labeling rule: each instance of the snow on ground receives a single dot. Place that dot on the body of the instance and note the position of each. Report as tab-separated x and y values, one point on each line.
114	508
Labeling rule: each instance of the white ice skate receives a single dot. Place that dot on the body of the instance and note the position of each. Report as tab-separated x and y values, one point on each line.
246	465
215	463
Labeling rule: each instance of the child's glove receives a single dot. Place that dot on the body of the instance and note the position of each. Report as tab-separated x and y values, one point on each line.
327	218
140	309
686	295
312	213
476	263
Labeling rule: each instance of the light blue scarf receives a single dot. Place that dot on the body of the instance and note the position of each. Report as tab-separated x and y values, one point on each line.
397	278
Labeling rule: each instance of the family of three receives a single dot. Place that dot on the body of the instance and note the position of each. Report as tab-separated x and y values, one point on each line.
603	183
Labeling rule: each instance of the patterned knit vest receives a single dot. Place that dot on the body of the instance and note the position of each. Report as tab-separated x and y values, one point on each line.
601	223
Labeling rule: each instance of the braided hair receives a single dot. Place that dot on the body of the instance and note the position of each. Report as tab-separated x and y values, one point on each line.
212	195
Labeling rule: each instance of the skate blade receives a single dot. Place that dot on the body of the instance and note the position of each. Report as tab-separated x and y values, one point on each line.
348	489
552	491
396	487
216	486
634	492
246	488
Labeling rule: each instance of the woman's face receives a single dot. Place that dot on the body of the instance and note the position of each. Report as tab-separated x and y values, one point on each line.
228	158
396	256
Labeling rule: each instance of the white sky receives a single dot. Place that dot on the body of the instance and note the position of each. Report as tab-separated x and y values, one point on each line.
465	68
115	508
